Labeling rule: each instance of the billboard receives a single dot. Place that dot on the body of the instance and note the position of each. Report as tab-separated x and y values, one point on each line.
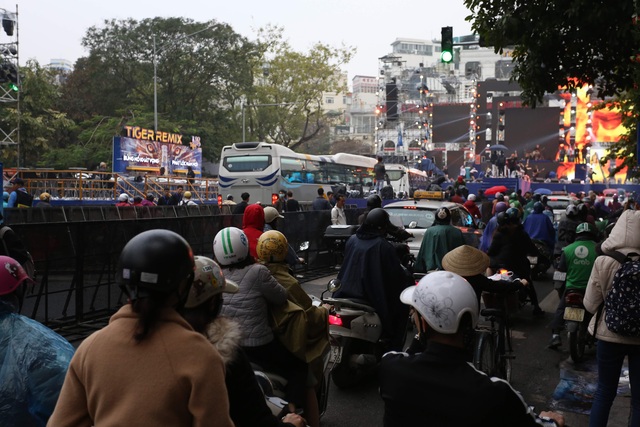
144	150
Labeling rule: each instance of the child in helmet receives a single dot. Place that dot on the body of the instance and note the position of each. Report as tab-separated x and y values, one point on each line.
300	326
33	358
258	291
246	400
147	365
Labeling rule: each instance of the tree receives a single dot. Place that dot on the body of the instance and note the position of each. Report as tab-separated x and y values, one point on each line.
569	43
295	82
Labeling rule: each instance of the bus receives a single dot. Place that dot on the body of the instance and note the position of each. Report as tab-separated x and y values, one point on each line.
406	180
262	170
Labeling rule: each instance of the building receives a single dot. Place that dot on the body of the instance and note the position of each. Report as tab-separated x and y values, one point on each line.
62	67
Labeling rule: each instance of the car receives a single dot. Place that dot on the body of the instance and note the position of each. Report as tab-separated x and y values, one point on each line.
558	203
418	214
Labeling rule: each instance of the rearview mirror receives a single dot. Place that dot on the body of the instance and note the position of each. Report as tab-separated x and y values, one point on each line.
334	285
413	224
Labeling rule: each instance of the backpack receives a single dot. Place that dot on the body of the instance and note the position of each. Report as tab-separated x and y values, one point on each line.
622	302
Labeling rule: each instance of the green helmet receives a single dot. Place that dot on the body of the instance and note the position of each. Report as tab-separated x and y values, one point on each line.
513	196
586	228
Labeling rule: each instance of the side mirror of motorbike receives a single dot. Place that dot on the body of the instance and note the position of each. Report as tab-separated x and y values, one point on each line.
334	285
304	246
481	225
413	224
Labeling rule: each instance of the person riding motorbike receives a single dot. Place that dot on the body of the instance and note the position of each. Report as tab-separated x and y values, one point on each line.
439	239
372	271
471	206
567	229
577	261
398	233
258	291
489	229
419	389
509	249
247	405
539	227
299	325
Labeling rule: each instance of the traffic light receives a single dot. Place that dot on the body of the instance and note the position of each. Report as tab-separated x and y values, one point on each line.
446	46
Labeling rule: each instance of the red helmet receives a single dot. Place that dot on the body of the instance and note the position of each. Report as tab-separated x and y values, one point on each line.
11	275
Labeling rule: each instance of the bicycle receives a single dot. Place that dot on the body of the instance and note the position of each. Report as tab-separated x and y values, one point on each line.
493	352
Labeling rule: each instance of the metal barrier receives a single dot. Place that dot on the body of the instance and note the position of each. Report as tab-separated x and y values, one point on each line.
76	250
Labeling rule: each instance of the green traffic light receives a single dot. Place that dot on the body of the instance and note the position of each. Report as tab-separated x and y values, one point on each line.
13	87
446	56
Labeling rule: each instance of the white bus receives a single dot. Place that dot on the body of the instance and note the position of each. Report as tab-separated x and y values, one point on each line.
406	180
263	169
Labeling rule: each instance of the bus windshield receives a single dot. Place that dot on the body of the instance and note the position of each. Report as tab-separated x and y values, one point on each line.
394	175
247	163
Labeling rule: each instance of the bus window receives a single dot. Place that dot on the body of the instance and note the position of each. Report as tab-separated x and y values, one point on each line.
336	173
314	169
293	169
247	163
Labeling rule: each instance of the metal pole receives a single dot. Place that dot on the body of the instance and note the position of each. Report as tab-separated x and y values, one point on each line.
243	136
19	84
155	86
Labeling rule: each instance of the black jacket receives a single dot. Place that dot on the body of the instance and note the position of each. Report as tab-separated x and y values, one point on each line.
240	207
371	271
440	387
509	249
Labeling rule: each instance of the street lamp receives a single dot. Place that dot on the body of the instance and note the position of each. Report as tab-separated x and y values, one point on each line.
156	51
242	105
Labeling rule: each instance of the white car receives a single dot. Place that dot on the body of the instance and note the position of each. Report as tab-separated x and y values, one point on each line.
559	203
417	215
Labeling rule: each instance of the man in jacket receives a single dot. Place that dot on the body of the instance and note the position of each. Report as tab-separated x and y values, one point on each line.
19	196
471	206
320	203
539	227
492	224
439	239
372	271
240	207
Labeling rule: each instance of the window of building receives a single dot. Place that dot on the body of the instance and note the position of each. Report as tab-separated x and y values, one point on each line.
329	100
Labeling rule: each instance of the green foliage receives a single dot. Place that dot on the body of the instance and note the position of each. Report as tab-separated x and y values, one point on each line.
569	43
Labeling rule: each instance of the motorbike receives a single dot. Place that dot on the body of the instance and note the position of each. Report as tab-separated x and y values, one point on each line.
355	330
576	320
541	263
273	385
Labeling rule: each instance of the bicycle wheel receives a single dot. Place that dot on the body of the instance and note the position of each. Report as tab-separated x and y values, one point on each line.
484	356
503	348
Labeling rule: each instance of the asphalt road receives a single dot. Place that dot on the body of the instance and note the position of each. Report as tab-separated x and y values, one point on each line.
536	371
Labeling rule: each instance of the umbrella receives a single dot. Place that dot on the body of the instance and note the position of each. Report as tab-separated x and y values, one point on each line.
495	189
544	191
498	147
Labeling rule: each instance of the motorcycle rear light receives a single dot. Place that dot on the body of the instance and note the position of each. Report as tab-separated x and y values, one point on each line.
573	299
335	320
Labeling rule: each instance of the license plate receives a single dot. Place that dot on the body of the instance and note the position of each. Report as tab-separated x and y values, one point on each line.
573	313
533	259
335	354
560	276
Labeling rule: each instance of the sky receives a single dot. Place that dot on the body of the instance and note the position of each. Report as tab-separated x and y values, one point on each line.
54	29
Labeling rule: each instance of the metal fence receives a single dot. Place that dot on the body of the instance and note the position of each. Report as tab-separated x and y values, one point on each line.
76	250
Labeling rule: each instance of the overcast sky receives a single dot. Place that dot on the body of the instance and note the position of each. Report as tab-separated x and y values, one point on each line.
53	29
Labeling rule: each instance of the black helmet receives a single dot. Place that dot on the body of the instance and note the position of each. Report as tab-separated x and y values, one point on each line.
374	201
157	260
443	216
538	207
513	214
502	218
377	219
537	197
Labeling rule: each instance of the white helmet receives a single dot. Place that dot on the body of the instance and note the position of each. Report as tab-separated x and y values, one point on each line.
572	210
472	197
270	214
230	246
123	197
208	282
442	298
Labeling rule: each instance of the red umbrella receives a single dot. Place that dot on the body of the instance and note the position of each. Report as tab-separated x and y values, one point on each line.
495	189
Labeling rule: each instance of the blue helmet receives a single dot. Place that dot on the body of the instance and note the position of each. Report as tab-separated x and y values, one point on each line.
538	207
513	214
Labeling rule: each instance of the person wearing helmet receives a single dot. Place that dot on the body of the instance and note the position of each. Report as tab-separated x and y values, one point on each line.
253	226
471	206
45	200
439	239
34	359
123	200
514	202
247	405
258	292
371	271
577	261
419	389
148	354
492	224
187	199
510	248
271	217
300	326
499	197
373	201
567	228
614	205
547	209
539	227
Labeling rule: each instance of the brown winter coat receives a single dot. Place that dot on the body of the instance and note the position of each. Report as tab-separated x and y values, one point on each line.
172	378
